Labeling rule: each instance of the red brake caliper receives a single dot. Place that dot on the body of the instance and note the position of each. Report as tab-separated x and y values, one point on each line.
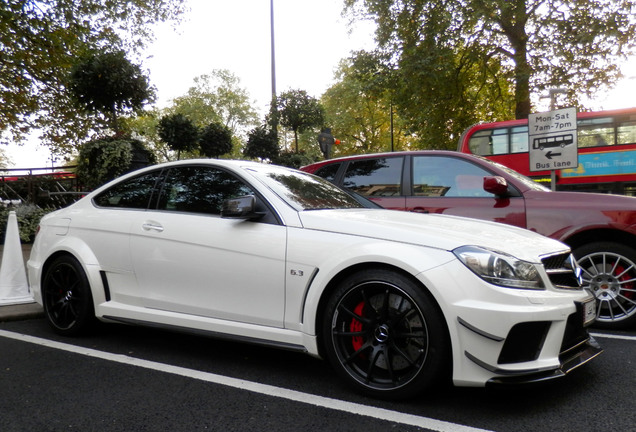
625	277
356	326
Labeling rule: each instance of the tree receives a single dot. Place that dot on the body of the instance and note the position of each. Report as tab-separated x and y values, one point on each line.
5	161
39	42
104	159
535	44
178	132
215	140
358	108
262	143
299	112
108	83
218	97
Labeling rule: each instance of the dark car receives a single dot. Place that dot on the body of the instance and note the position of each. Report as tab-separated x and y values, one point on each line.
600	229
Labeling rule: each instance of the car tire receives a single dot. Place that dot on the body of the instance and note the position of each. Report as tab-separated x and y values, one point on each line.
385	335
609	272
66	297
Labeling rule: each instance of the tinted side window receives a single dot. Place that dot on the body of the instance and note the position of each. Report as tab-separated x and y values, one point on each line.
437	176
328	172
199	189
132	193
375	177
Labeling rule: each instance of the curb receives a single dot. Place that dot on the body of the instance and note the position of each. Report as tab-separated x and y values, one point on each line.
20	312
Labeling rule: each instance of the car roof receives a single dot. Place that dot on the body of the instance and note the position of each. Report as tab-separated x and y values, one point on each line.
391	154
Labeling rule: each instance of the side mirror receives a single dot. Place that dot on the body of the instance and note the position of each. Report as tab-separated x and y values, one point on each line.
496	185
243	207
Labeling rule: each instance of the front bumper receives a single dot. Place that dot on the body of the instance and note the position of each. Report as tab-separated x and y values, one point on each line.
570	360
510	336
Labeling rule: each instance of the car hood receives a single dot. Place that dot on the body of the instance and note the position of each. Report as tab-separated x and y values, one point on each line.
559	214
433	230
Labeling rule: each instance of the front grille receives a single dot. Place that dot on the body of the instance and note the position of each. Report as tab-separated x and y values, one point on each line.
562	271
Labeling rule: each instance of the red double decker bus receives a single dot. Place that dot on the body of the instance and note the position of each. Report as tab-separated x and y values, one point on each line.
606	155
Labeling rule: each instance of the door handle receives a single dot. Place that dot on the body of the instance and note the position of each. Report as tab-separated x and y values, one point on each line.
419	210
152	226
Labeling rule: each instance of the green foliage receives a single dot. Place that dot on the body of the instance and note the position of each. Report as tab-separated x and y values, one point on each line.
293	159
103	160
144	127
5	161
262	143
178	132
108	83
215	140
299	112
217	97
358	109
28	217
40	40
455	58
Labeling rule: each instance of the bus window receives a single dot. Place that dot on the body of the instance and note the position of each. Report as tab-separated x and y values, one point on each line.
595	132
626	133
480	143
489	142
499	141
519	139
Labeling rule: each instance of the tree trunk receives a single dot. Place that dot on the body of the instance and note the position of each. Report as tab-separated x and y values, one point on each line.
522	84
516	30
115	122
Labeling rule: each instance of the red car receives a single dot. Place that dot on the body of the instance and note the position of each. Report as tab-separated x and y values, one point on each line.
600	229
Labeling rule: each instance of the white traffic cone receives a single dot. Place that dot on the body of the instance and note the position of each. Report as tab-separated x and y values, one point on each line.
14	288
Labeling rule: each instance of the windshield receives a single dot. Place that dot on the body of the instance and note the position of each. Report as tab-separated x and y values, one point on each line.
304	191
520	177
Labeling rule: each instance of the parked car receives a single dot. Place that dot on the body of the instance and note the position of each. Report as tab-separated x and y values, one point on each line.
394	300
600	229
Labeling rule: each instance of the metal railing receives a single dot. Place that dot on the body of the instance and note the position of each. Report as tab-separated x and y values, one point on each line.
44	187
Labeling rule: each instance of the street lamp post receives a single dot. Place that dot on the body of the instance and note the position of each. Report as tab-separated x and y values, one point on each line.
271	15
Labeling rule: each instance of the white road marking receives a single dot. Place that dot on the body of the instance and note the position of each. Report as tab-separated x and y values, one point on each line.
613	336
268	390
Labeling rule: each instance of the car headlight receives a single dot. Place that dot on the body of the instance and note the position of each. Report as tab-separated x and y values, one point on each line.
499	268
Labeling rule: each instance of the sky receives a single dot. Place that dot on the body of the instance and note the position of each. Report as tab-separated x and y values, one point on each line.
311	38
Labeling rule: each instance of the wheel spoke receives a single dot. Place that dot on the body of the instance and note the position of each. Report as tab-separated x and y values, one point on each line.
620	306
384	311
389	363
405	356
350	333
627	299
355	316
357	353
375	356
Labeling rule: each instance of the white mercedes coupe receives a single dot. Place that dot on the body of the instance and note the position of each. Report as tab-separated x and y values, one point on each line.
395	301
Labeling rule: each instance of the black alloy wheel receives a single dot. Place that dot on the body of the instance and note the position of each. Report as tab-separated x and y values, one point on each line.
385	335
67	299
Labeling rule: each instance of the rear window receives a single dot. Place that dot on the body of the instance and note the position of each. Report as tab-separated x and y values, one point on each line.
379	177
328	172
134	193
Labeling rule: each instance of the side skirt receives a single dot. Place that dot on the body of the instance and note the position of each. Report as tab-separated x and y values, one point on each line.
207	333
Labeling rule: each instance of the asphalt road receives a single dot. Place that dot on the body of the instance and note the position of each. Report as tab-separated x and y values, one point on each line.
139	379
